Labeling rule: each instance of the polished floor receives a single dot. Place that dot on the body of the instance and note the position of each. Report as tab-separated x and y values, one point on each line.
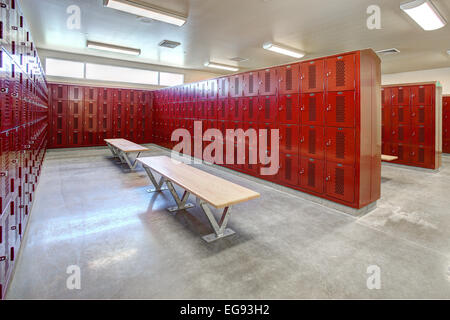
91	213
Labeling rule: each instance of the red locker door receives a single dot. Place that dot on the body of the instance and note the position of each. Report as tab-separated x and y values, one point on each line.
340	72
421	156
312	110
189	110
403	134
268	81
267	110
91	94
250	109
202	90
266	136
222	107
212	110
251	84
288	171
400	96
119	120
76	93
312	76
402	151
75	125
422	115
289	77
223	84
422	135
235	110
340	181
236	85
386	97
312	174
212	89
340	111
312	142
289	138
289	111
90	115
201	110
340	145
60	92
386	116
404	115
393	119
422	95
446	146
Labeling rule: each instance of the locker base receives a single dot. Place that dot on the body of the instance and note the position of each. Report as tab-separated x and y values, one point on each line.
405	166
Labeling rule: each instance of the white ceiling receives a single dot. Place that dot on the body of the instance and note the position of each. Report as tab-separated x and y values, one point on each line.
218	30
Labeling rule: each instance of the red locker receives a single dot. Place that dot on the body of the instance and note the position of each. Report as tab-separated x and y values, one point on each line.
266	136
289	110
190	106
340	111
421	155
201	110
90	115
403	115
289	138
235	109
212	109
60	92
236	85
268	109
312	109
119	120
222	107
340	145
223	86
91	94
251	84
212	89
340	181
250	109
75	124
202	90
289	78
268	81
386	97
400	96
340	72
422	135
76	93
386	116
288	171
312	142
402	134
422	115
311	174
312	76
422	95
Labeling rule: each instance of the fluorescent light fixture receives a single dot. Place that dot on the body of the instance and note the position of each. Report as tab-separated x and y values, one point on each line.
112	48
288	52
220	66
144	10
425	14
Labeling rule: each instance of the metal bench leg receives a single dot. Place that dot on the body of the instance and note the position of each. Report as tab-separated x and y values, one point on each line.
158	186
220	229
127	160
113	151
181	203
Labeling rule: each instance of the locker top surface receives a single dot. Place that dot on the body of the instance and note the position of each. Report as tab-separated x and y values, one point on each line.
436	83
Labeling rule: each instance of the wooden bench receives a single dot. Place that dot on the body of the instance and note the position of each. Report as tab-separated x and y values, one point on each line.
209	190
385	157
122	148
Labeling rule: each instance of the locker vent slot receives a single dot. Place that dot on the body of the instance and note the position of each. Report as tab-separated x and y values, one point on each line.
91	94
250	108
422	95
401	133
382	96
119	124
60	92
75	123
401	114
340	109
131	123
105	94
312	77
91	108
288	169
75	108
105	122
120	95
119	109
400	153
400	95
223	87
59	138
340	73
289	79
91	138
223	109
105	109
312	109
289	138
60	107
236	109
132	96
236	86
267	84
75	138
339	182
132	109
59	123
267	109
312	142
422	115
422	155
250	85
421	134
311	174
289	109
340	145
76	93
91	123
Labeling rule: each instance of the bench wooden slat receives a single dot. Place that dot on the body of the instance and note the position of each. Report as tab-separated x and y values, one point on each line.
385	157
216	191
125	145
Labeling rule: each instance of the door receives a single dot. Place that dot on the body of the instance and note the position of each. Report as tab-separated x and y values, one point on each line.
289	77
91	94
251	84
268	81
267	109
386	97
340	181
250	109
422	115
403	134
201	111
202	90
75	123
235	109
288	109
404	115
422	135
422	95
222	107
76	93
212	110
212	89
59	92
312	142
340	111
236	85
311	174
400	96
340	72
422	156
312	109
340	145
312	76
223	84
288	171
289	138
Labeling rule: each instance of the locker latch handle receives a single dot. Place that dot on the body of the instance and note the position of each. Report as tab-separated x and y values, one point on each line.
4	174
2	258
329	143
302	171
329	107
302	140
328	178
302	108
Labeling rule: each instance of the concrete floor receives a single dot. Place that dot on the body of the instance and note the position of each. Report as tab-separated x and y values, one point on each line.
91	213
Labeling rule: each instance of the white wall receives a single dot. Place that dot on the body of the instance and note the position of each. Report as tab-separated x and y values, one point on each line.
442	75
189	75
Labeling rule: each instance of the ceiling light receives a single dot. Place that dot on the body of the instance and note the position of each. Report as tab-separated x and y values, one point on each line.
112	48
281	50
388	51
425	14
220	66
146	11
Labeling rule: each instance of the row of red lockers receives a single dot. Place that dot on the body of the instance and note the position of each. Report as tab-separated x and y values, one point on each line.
307	174
336	109
446	124
22	154
337	73
332	144
16	39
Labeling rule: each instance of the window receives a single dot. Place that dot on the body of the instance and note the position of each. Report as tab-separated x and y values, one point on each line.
170	79
64	68
120	74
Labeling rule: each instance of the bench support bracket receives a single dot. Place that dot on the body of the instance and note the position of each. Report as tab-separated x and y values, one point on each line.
158	186
123	156
220	228
181	203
